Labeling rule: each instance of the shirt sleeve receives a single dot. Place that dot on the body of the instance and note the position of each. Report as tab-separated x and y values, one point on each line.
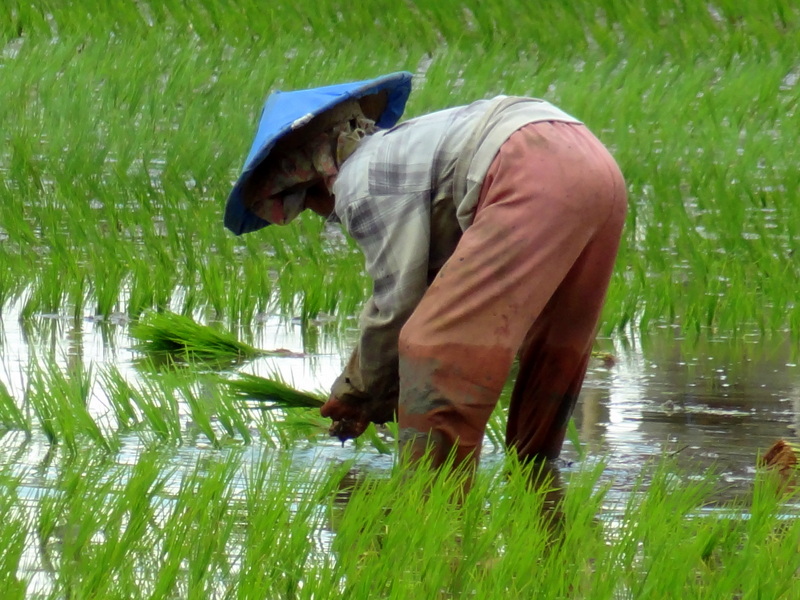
393	232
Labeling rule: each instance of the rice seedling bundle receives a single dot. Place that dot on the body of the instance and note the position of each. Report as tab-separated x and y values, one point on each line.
179	335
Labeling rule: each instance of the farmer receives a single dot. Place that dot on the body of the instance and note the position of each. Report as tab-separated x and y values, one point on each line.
489	230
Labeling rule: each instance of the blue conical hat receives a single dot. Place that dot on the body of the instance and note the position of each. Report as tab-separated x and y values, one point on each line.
287	112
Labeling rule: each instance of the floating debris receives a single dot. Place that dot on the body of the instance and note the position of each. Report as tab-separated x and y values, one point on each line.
782	459
608	359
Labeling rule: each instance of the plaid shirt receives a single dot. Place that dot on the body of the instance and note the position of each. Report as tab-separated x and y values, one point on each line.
397	196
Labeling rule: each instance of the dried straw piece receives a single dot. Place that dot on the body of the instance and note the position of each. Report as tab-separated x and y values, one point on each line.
782	459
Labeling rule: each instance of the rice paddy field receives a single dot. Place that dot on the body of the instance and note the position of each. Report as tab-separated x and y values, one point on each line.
138	465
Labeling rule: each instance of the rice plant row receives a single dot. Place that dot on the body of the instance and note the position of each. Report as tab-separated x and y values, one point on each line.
248	525
118	156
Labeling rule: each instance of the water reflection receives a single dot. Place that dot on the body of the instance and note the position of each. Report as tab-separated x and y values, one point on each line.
712	404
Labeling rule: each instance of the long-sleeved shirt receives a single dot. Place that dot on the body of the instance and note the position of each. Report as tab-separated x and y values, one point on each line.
405	195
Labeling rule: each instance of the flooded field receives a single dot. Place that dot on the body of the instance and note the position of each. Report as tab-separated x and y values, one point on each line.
123	476
713	404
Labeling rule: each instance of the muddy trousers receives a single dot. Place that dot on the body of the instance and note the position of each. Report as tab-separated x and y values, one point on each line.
527	279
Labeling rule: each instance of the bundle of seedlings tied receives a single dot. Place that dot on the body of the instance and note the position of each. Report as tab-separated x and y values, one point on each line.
274	390
183	338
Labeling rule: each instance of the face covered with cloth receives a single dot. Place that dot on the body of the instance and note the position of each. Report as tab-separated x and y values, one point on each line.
301	177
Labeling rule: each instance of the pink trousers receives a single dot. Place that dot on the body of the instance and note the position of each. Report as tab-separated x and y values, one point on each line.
527	279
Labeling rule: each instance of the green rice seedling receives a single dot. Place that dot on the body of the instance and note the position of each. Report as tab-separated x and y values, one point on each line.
573	435
649	545
552	519
274	390
529	534
215	285
130	529
11	281
110	176
193	548
287	414
11	414
202	410
370	529
107	283
71	520
59	400
44	296
281	553
121	395
231	414
767	544
164	396
158	405
13	530
151	283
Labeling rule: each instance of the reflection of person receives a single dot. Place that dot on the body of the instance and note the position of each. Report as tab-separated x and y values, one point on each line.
489	230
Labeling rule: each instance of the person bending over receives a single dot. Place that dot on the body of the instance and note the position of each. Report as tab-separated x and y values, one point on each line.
489	230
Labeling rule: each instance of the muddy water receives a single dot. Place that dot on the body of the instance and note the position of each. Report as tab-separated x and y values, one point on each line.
709	403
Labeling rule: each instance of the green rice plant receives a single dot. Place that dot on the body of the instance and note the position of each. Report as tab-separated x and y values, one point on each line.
283	414
157	403
280	552
121	395
11	281
262	527
130	530
298	415
71	520
193	548
231	414
59	400
13	529
274	390
107	283
46	294
11	414
167	175
202	409
151	283
573	435
114	183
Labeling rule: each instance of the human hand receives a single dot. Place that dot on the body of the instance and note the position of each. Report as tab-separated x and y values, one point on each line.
352	415
349	419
